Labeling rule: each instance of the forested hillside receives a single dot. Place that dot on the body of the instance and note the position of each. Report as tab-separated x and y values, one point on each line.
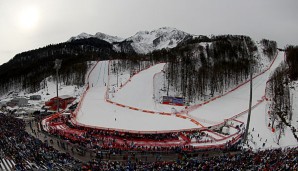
279	92
27	70
197	68
292	61
202	67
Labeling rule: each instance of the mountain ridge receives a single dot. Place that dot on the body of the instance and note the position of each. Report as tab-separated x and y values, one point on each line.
142	42
163	44
97	35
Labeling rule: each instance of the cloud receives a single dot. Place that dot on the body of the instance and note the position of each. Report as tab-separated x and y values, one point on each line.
59	20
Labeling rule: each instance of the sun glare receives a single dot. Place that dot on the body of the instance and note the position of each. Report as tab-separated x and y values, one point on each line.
29	17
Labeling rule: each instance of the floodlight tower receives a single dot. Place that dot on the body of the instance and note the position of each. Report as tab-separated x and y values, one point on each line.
250	103
57	67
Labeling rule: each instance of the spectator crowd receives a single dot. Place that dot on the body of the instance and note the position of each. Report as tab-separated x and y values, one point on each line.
29	153
266	160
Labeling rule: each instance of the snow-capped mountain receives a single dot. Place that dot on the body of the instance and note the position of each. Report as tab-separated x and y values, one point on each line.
143	41
80	36
166	37
99	35
108	38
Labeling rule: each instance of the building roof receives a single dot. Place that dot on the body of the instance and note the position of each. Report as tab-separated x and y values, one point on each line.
20	98
37	95
65	96
62	97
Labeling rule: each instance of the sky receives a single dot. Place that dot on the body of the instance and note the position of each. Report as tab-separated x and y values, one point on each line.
30	24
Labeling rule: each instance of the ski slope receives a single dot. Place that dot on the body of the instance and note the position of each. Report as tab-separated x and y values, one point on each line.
96	112
260	135
139	92
236	101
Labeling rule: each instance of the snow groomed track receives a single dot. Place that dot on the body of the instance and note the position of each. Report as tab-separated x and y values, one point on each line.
96	112
98	109
133	108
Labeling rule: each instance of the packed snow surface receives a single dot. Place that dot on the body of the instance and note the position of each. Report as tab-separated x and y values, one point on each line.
95	111
139	92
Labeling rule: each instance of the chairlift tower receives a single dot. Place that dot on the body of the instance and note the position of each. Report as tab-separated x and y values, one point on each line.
57	67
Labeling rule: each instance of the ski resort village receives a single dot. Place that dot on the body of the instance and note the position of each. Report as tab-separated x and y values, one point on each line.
158	100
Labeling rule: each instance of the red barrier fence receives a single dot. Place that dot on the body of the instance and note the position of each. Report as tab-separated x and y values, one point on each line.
63	130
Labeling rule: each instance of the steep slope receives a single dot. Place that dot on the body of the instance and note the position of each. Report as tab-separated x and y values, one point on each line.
97	112
200	68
